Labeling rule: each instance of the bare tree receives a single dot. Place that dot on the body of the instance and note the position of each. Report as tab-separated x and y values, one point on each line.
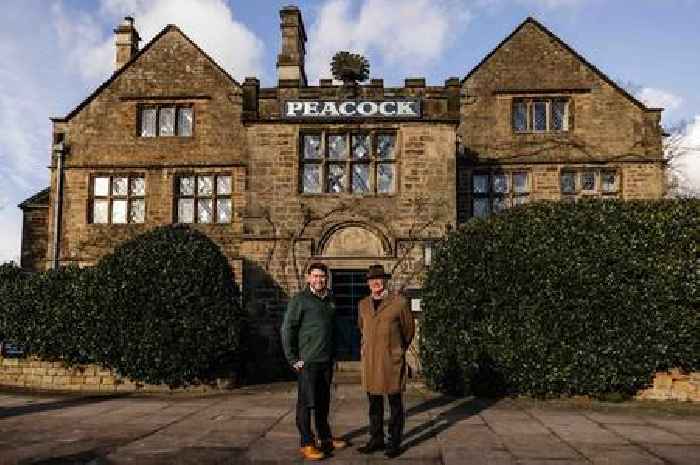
678	151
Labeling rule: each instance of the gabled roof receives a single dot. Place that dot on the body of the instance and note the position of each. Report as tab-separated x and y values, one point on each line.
127	65
41	198
541	27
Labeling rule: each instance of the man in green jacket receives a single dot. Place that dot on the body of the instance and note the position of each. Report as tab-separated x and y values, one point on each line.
308	339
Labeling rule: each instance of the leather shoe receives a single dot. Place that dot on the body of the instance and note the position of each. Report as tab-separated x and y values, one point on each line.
371	446
311	453
392	451
330	445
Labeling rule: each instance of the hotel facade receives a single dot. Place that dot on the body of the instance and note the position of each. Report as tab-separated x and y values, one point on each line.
347	174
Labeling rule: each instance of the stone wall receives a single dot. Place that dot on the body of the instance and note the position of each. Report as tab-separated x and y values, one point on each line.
38	374
673	385
35	239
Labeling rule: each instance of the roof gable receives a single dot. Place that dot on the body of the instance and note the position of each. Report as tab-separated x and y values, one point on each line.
135	58
530	21
40	199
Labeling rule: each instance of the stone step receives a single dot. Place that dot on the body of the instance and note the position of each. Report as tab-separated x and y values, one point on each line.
347	366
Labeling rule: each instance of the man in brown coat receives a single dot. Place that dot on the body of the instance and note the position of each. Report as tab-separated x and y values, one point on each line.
387	328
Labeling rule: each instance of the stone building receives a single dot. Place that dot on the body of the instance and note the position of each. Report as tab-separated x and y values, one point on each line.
347	174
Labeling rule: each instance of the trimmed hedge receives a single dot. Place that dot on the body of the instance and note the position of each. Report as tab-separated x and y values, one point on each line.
162	309
555	298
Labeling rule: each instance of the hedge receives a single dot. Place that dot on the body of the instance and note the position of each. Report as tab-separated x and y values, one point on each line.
162	309
555	298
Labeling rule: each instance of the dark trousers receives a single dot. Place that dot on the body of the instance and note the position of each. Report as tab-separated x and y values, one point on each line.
376	418
314	393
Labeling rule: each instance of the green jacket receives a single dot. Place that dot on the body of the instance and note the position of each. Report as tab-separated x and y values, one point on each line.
308	329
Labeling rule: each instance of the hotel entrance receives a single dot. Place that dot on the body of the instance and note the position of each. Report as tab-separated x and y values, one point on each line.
349	287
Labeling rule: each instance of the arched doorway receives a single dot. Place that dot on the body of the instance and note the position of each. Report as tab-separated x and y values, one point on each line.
348	250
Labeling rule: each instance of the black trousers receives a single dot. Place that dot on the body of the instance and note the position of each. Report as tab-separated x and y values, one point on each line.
314	393
376	418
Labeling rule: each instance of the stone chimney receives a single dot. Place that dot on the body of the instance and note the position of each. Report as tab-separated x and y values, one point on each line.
127	41
290	61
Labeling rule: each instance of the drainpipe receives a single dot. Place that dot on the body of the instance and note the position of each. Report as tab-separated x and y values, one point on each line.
59	149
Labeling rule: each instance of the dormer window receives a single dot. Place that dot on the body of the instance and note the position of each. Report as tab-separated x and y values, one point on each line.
540	114
165	121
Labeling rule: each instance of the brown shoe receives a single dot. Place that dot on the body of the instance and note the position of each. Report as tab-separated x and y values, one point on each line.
332	444
311	453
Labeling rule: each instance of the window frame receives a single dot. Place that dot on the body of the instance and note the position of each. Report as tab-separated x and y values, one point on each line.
111	197
372	161
215	196
530	103
598	190
176	123
509	195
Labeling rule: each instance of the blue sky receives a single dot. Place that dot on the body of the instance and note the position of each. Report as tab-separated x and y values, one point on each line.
53	53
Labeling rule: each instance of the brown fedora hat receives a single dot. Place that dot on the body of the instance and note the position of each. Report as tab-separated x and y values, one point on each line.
377	271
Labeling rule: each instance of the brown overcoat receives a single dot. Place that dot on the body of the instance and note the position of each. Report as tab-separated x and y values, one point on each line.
386	335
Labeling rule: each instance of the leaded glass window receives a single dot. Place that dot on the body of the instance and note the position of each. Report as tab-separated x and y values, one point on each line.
500	203
568	183
588	181
204	198
223	210
100	212
608	181
312	179
385	178
558	108
549	114
349	162
312	147
184	121
480	183
520	183
166	121
137	211
118	199
500	183
149	117
539	116
386	146
337	146
520	116
481	207
336	178
360	146
360	178
495	191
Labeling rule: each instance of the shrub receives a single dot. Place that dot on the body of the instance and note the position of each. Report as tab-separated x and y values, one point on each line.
162	309
556	298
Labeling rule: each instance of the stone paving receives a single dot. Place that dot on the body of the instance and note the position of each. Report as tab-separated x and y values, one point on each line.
256	426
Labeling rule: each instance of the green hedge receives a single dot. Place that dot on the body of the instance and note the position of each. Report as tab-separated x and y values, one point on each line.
556	298
163	308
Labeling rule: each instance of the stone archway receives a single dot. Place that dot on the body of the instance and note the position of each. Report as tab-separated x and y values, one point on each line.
353	240
348	249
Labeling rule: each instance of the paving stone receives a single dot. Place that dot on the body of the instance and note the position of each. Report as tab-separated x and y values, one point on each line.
587	432
235	430
676	455
460	456
686	428
647	434
615	418
538	446
519	427
617	454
